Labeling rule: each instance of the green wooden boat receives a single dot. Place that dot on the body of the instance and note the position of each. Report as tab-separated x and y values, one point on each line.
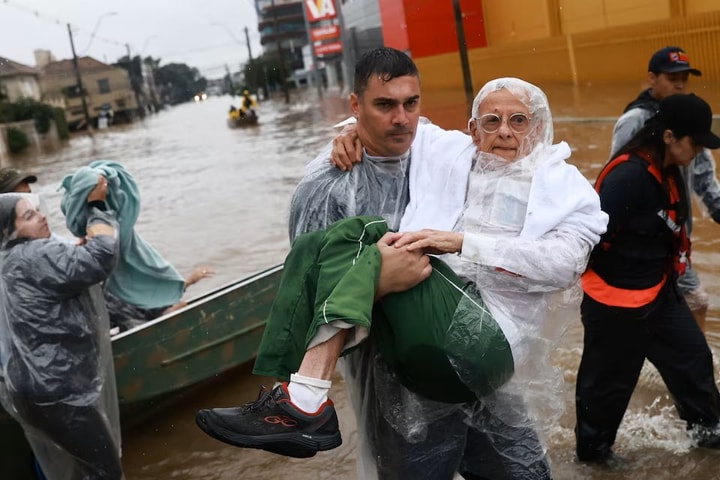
159	359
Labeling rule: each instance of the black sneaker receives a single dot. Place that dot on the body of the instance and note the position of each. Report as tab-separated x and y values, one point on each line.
274	424
707	437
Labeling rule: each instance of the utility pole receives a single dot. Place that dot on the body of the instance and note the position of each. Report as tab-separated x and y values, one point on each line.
78	77
247	41
462	48
230	82
134	84
278	43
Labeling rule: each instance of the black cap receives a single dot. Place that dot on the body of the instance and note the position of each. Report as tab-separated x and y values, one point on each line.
688	115
12	177
671	60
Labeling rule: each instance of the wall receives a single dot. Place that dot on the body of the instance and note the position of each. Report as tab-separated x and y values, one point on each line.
598	14
363	26
120	92
394	25
21	86
431	26
517	21
37	141
611	54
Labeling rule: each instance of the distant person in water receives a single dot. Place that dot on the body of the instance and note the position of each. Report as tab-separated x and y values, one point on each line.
247	104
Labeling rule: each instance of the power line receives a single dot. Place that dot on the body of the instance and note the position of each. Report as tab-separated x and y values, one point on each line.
59	22
198	50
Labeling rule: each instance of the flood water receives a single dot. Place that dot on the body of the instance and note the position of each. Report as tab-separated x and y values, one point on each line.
218	197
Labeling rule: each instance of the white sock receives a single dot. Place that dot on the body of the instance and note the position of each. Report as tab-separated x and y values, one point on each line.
308	393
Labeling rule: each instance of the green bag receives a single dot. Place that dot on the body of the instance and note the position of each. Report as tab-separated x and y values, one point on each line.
441	341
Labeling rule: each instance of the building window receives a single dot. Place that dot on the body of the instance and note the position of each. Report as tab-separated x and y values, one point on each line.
120	104
104	85
71	91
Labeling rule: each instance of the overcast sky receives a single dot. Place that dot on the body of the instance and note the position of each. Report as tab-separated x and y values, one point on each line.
205	34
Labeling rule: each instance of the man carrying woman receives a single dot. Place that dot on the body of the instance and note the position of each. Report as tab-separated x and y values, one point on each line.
408	434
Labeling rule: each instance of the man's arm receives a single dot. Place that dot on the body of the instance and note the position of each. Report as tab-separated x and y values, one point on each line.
628	125
705	183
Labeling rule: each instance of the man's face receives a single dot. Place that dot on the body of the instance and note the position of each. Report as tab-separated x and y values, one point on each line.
666	84
29	222
508	141
23	187
387	115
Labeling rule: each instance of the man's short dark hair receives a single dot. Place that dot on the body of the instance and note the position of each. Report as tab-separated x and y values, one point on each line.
385	62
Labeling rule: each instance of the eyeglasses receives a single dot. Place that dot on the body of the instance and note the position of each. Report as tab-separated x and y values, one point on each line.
490	122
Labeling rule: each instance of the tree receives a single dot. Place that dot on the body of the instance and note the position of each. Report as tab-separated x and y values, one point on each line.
179	82
134	69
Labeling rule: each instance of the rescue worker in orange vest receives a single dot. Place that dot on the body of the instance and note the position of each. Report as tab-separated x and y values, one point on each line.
632	308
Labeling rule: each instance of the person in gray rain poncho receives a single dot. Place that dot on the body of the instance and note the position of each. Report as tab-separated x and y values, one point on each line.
529	223
55	354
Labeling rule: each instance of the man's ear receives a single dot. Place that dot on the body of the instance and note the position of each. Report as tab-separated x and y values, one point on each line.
651	79
354	104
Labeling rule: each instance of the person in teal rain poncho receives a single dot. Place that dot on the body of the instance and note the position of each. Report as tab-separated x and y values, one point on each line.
143	285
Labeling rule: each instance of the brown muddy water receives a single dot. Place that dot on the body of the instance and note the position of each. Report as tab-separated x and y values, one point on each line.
219	197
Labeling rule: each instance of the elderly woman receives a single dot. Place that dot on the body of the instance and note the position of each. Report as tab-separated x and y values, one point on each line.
55	355
523	234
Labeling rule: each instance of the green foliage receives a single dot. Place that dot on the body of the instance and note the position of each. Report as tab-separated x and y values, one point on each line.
61	123
263	71
255	73
16	139
179	83
28	109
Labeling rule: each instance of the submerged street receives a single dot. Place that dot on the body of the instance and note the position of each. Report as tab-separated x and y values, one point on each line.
218	197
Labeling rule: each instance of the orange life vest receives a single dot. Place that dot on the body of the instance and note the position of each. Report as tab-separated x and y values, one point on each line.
594	286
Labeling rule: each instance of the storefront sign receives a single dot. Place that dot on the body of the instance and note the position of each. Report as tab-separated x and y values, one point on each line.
319	10
324	33
328	48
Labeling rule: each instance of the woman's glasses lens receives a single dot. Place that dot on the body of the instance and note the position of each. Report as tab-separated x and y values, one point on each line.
518	122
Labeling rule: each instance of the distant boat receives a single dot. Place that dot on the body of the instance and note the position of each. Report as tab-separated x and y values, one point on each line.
158	359
248	119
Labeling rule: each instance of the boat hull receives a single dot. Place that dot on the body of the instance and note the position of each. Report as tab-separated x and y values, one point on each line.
247	120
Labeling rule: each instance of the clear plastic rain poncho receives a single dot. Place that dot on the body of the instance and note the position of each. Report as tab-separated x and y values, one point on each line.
55	354
533	222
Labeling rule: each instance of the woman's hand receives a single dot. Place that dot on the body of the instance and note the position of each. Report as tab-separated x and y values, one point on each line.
346	149
435	242
198	274
99	192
